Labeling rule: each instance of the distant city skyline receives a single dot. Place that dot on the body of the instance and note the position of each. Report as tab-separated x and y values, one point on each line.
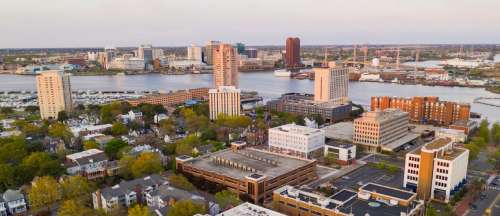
98	23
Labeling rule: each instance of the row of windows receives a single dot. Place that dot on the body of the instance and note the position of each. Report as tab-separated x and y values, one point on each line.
440	184
414	158
444	164
415	172
445	171
413	178
413	165
440	177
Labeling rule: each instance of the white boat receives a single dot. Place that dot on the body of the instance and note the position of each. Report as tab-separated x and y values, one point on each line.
282	73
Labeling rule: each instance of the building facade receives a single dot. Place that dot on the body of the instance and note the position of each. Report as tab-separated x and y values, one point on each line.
145	52
331	84
224	100
371	199
425	110
209	51
127	62
194	53
225	61
296	141
12	202
172	98
91	164
375	129
344	153
54	93
292	55
437	170
303	104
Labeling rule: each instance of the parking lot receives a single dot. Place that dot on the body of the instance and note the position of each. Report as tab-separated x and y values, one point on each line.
367	174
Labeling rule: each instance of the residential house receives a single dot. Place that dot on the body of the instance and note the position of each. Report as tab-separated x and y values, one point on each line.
91	163
14	202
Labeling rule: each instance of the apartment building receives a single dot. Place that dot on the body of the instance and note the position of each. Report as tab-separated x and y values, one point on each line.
371	199
296	141
172	98
91	163
437	170
377	129
127	193
249	172
224	100
331	85
225	60
54	93
425	110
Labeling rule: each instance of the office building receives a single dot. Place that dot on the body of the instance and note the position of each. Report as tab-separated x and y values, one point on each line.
225	61
425	110
376	130
437	170
172	98
331	84
224	100
194	53
127	62
54	93
108	56
344	153
303	104
297	141
251	172
292	55
209	51
145	52
371	199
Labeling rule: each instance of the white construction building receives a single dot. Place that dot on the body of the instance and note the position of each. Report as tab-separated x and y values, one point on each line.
296	140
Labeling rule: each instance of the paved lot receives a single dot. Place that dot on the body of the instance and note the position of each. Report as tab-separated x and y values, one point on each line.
367	174
375	158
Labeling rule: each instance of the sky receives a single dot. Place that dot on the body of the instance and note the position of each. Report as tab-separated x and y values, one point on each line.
99	23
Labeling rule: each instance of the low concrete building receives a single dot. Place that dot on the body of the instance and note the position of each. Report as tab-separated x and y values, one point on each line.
453	134
296	140
345	153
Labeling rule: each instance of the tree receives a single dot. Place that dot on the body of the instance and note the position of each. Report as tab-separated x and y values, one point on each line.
186	208
44	192
113	147
473	151
30	129
139	210
74	208
181	182
6	110
32	109
90	144
126	163
227	199
6	177
495	133
484	130
119	129
12	150
76	188
330	159
167	126
41	163
62	116
430	211
60	130
110	111
186	145
147	163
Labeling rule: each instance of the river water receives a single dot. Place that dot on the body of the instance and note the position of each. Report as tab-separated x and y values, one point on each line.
265	83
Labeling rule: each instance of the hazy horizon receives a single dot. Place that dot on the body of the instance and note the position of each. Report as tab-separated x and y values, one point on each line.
164	23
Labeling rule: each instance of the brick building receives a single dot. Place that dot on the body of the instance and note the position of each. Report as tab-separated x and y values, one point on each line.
425	110
172	98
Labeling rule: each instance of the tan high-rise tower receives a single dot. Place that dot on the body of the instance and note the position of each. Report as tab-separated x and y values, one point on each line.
54	93
226	66
331	84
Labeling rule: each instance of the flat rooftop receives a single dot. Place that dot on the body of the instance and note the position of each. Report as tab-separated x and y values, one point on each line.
388	191
437	144
263	163
373	207
296	129
249	209
451	154
401	141
340	131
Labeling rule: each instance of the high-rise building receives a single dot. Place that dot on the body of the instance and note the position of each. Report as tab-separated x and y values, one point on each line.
209	51
377	129
224	100
292	55
194	53
425	110
297	141
225	60
251	53
54	93
331	84
145	51
240	47
436	170
108	56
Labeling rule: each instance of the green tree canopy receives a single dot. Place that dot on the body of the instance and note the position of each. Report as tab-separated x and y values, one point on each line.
62	116
90	144
77	188
168	126
181	182
147	163
186	145
227	199
12	150
139	210
119	128
7	179
41	163
186	208
74	208
113	147
60	130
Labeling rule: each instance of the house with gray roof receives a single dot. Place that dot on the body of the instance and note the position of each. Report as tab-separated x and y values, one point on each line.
15	204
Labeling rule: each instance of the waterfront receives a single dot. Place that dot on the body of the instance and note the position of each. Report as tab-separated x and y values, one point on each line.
265	83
